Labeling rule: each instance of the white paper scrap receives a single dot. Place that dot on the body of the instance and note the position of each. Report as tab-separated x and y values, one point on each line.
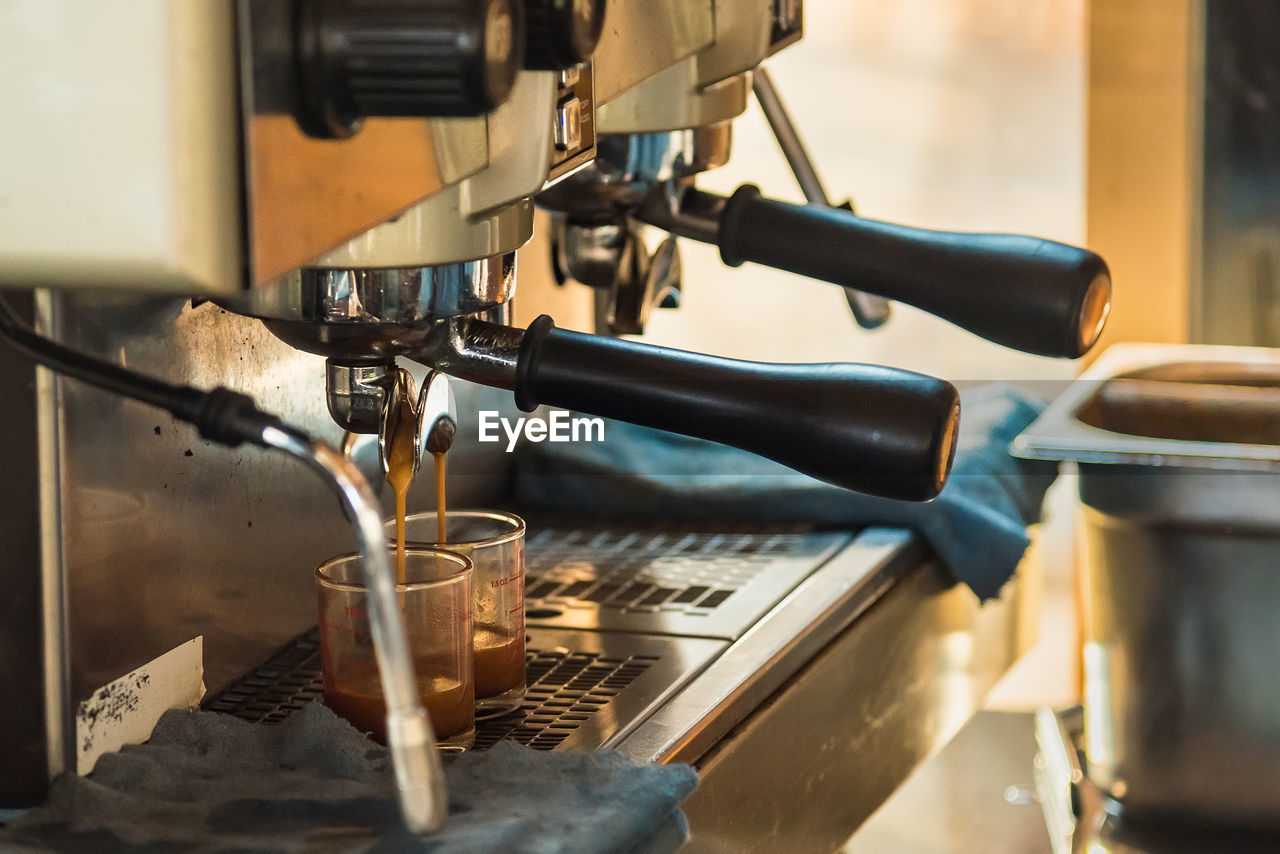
126	710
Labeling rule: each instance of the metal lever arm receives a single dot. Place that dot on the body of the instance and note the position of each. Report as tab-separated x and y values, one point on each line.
1024	292
869	310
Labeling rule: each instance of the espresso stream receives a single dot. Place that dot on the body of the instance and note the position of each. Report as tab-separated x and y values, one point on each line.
401	456
442	518
498	659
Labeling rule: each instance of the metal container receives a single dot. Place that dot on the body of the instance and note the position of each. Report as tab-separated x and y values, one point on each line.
1179	475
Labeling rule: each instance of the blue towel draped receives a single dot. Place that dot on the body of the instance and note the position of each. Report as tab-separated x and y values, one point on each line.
977	526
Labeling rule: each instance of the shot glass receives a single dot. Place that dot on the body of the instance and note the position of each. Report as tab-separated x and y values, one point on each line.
435	601
495	544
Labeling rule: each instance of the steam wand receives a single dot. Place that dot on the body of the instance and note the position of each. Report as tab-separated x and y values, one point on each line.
419	777
230	418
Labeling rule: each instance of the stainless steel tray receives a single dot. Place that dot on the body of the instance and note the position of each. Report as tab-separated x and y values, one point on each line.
585	690
654	591
712	584
1061	434
837	690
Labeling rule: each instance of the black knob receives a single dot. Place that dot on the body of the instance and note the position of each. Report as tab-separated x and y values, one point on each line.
420	58
561	33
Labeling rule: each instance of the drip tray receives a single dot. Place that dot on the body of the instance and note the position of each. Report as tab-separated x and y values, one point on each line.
670	583
620	621
585	690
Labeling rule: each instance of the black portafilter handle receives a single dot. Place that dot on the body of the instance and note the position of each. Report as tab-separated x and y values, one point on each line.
1027	293
873	429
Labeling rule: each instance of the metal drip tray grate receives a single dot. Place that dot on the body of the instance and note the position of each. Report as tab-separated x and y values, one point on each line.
663	582
585	690
565	690
670	602
278	687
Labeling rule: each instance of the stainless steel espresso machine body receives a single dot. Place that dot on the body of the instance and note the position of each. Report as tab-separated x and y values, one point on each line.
286	199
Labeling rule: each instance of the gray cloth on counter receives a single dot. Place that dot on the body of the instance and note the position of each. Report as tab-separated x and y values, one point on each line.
211	782
977	526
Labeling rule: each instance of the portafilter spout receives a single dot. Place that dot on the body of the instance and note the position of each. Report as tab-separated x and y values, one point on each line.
438	413
383	392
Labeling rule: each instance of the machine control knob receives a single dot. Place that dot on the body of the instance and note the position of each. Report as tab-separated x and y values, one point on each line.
418	58
561	33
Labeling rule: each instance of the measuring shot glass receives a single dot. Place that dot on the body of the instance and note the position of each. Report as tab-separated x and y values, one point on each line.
436	603
494	542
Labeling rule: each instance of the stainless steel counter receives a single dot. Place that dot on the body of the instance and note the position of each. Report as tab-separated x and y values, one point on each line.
986	793
976	796
807	767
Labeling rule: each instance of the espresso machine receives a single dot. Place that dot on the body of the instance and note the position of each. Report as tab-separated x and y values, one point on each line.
293	200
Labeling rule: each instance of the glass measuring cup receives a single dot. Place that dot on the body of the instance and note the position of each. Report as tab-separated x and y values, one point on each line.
494	541
435	601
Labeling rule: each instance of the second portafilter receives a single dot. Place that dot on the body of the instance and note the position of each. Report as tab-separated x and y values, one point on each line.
1028	293
1023	292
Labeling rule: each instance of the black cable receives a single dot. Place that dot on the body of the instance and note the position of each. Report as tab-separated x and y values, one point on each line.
87	369
221	415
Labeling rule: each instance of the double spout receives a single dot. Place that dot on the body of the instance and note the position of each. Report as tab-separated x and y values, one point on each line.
370	399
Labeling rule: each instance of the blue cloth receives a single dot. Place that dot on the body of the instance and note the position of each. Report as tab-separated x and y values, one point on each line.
211	782
977	526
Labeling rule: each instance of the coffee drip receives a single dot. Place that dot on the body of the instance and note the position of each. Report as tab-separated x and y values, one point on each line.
402	457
